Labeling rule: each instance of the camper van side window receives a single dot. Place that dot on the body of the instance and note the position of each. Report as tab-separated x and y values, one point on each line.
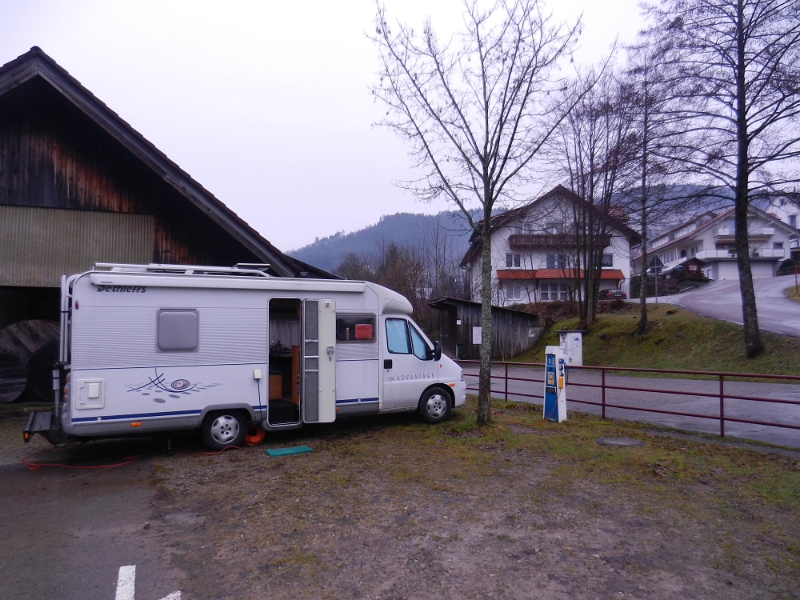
178	330
355	328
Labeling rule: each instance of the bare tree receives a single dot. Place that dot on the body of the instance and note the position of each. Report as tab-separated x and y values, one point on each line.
596	151
355	266
474	109
655	142
401	268
736	76
442	257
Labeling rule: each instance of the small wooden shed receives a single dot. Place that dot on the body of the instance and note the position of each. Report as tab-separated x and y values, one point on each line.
513	331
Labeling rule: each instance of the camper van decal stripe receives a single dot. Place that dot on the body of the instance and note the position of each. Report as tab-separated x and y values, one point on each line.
135	416
358	401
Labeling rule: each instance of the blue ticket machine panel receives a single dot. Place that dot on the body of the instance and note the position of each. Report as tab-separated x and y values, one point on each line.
555	388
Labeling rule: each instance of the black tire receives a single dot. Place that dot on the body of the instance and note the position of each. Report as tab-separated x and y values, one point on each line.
224	429
435	405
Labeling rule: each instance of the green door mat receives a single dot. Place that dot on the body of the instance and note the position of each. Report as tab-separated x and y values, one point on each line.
286	451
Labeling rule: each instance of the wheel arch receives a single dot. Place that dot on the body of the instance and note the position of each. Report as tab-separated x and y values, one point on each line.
442	386
238	407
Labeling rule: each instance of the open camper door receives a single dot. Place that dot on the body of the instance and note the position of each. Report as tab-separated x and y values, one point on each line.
319	361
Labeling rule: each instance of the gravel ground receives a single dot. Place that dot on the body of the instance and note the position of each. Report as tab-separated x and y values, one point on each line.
390	508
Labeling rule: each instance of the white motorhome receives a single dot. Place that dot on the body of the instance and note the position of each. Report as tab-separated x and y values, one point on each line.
158	348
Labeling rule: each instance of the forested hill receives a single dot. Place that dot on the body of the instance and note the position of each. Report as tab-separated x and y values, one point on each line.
678	203
405	229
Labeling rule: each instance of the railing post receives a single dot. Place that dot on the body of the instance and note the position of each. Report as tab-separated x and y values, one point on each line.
506	392
603	387
721	407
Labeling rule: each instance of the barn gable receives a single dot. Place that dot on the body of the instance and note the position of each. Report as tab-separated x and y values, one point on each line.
62	149
78	186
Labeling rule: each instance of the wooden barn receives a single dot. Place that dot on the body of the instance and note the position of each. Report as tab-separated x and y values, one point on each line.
78	185
513	331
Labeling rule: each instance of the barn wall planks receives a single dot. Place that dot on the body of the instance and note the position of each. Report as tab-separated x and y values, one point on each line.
66	242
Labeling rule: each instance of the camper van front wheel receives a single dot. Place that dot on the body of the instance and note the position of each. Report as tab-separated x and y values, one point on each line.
434	406
224	429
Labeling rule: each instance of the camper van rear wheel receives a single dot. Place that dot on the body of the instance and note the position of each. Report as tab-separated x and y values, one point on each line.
224	429
434	406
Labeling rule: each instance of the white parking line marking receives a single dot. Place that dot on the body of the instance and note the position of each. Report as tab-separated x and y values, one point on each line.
126	583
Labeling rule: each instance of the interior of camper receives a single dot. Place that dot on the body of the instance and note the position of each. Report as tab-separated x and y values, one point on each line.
284	360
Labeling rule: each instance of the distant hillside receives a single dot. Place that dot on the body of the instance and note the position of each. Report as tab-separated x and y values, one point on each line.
413	228
401	228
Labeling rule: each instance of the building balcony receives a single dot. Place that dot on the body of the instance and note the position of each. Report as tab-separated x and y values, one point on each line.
523	241
755	233
754	253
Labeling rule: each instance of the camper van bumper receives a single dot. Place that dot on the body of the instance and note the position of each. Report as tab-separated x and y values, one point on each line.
38	422
43	424
459	393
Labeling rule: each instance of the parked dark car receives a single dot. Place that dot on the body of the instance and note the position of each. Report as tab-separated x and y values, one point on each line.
612	295
676	272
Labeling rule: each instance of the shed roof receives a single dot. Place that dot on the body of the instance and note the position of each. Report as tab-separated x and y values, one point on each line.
445	301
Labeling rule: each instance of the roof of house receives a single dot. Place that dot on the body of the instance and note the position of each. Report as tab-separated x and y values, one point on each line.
714	221
510	216
36	65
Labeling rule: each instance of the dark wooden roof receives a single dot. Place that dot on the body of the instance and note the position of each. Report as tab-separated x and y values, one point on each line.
35	68
445	301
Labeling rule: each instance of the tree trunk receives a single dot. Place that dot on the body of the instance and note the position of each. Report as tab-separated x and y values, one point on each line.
752	335
485	375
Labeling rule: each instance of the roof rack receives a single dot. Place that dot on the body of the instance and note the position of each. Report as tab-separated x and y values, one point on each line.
242	269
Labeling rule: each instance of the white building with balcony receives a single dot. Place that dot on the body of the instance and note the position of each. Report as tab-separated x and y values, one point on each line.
534	251
710	238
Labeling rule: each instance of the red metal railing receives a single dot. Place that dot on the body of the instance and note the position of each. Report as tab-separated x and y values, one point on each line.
525	376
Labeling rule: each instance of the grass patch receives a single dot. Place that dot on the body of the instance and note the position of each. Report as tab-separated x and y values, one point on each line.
675	339
793	293
418	510
663	466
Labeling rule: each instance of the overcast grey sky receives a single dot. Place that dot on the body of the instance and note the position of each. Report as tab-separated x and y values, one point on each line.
265	104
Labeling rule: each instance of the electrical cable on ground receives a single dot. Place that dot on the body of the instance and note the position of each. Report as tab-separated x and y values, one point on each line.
126	460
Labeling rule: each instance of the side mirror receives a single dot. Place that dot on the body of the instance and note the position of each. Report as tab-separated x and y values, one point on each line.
437	351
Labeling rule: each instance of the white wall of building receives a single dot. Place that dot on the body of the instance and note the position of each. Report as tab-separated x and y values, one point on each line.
514	291
770	243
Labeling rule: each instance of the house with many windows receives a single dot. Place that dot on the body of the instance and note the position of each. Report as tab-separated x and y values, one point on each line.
786	208
709	237
535	253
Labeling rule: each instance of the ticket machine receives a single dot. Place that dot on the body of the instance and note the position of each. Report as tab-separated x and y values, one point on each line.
555	385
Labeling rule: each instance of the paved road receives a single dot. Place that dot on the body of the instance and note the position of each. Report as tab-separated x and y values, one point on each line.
582	387
66	532
723	300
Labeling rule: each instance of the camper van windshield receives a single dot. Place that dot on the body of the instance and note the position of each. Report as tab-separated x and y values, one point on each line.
403	338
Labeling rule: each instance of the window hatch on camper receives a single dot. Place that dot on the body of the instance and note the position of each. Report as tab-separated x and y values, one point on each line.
178	330
355	328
